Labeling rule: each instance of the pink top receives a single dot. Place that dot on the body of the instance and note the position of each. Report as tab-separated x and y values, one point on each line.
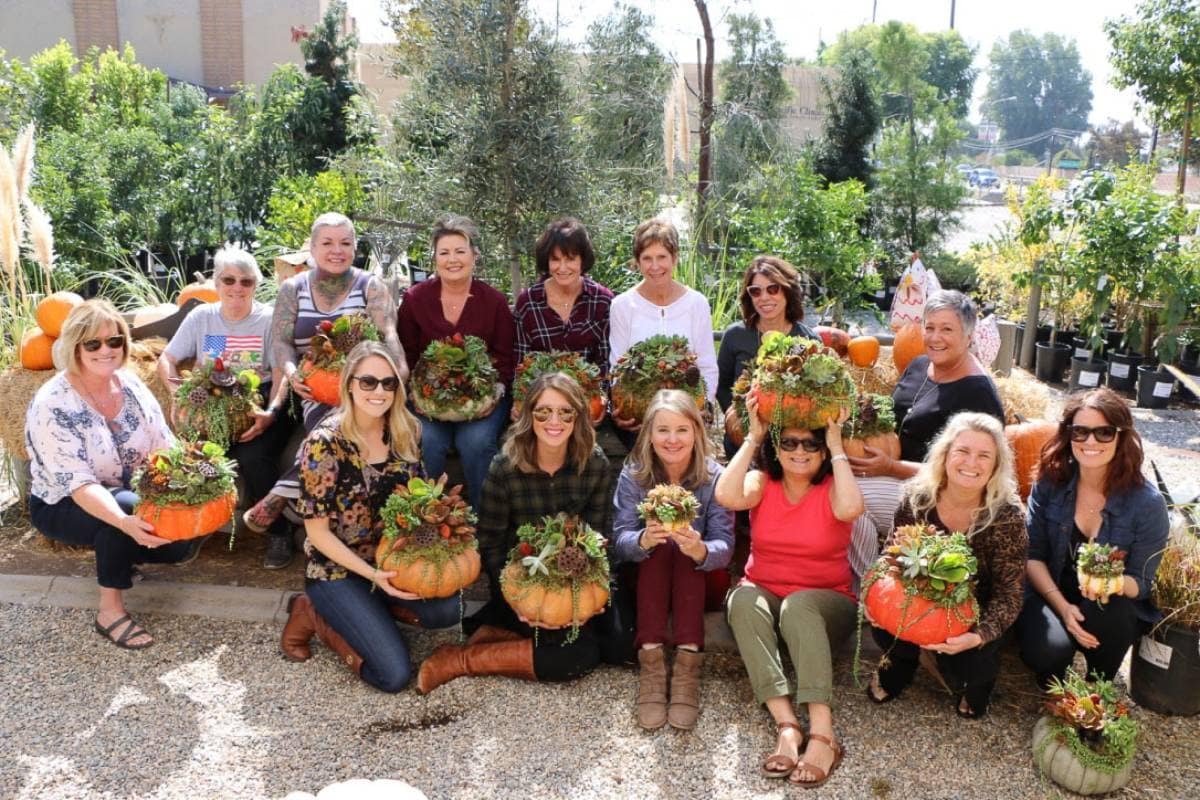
797	546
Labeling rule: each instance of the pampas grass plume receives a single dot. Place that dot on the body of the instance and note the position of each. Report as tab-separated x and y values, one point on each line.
10	217
41	238
23	162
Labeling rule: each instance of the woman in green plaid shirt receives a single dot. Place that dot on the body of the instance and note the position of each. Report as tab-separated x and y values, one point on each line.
549	463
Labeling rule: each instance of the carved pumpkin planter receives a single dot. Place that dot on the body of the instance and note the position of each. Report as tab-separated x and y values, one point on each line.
425	577
324	384
321	369
455	380
574	365
552	607
660	362
187	490
799	383
1060	764
428	539
176	521
914	618
872	423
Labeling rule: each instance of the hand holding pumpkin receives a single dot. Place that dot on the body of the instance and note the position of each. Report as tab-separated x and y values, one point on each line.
262	421
140	531
874	464
690	543
956	644
1089	592
655	534
833	432
298	385
758	428
382	579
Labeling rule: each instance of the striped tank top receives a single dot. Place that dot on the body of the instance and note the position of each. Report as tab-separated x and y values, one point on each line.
308	316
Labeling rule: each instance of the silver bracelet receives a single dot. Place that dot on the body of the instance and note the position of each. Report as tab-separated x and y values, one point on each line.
840	457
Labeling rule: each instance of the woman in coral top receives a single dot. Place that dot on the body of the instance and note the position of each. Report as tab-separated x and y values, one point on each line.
802	503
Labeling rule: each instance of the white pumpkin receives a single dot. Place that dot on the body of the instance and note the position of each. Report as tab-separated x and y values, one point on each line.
1058	763
1100	586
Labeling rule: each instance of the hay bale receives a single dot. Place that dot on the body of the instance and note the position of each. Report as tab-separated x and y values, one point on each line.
1024	397
879	379
143	362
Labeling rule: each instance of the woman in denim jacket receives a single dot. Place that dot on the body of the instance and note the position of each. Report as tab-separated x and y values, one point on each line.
1091	490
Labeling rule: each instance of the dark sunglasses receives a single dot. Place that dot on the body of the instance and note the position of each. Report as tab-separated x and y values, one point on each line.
114	343
1103	433
543	414
369	382
247	283
771	289
789	443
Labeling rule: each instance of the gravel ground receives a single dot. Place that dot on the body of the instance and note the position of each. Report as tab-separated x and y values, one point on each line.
213	711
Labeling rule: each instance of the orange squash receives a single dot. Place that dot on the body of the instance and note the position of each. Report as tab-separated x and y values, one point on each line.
202	290
863	351
914	618
550	607
52	312
886	442
176	521
426	578
37	350
1026	440
908	344
325	385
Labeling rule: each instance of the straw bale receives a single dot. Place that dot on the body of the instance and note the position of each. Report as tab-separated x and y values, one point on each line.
879	379
1021	395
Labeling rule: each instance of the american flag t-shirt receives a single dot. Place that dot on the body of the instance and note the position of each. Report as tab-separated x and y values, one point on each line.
242	350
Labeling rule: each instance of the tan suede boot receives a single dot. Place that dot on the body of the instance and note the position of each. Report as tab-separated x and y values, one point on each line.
449	661
685	690
652	688
486	634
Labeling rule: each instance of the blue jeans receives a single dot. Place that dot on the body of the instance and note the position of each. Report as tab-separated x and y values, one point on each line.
116	551
477	442
361	616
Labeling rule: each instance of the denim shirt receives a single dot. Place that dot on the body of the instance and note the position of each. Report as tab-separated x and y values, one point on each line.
1135	521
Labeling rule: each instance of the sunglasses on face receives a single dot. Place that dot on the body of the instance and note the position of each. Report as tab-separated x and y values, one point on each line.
1103	433
247	283
369	382
543	414
114	343
771	289
789	443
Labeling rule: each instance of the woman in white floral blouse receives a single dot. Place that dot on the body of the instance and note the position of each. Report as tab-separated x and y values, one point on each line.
87	430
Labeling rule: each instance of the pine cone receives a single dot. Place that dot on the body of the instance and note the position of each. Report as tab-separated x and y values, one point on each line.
425	536
207	470
345	341
197	395
692	375
572	561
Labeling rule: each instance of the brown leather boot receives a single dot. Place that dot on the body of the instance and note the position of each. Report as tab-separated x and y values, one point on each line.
685	690
405	615
298	630
652	688
449	661
491	633
334	641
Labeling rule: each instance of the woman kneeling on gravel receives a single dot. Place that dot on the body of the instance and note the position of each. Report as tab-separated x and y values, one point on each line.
671	448
549	463
349	465
797	582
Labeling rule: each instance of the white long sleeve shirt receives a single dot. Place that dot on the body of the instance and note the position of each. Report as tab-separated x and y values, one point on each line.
633	319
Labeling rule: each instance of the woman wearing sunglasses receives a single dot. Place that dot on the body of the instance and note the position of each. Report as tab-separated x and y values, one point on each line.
349	466
671	448
549	463
237	329
1091	489
797	584
87	430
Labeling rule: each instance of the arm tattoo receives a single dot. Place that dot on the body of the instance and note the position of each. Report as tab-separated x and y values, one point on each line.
383	313
283	326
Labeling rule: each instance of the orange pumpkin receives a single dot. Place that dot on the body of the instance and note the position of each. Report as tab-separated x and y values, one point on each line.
200	289
886	442
37	350
909	343
733	426
834	338
863	351
548	606
177	521
627	405
914	618
1026	440
597	409
325	384
52	312
426	578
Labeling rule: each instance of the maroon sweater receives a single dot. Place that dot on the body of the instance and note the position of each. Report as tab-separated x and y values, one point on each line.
486	315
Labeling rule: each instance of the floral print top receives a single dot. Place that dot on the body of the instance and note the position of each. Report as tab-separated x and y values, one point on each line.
336	483
70	444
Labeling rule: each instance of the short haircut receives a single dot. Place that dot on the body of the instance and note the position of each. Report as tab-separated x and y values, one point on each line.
234	257
83	323
331	219
655	231
568	237
955	301
456	225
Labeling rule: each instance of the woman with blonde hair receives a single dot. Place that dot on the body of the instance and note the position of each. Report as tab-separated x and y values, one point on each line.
672	448
349	466
88	429
966	484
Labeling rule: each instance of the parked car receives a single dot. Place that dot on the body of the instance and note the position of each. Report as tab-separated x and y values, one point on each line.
984	178
964	171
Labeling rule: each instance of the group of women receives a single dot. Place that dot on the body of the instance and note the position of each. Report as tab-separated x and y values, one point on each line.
808	503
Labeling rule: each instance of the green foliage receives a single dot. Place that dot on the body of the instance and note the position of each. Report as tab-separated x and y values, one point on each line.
453	372
571	364
1158	53
190	473
1100	560
851	123
422	520
1116	144
216	404
669	503
795	368
934	565
1090	718
296	201
873	415
953	271
1038	83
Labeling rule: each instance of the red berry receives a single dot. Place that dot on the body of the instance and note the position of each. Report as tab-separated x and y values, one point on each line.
526	549
219	364
326	326
457	339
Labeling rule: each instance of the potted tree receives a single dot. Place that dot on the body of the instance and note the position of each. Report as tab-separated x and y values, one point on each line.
1087	740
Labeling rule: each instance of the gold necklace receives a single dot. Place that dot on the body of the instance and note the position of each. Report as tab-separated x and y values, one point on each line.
96	404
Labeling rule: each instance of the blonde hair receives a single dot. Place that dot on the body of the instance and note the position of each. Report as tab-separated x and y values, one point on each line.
921	491
403	430
647	471
520	446
83	323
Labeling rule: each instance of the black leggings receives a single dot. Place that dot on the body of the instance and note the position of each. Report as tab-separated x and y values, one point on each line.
971	673
1048	649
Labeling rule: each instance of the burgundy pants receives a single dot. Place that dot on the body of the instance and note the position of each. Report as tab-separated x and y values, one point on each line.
669	583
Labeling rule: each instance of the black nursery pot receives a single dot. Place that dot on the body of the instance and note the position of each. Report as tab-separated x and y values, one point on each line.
1082	348
1122	371
1052	361
1154	387
1087	373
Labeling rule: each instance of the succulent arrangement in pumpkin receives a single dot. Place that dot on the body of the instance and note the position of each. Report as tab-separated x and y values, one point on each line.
574	365
1100	569
673	506
1087	740
455	380
428	539
186	490
660	362
872	423
557	574
216	403
321	369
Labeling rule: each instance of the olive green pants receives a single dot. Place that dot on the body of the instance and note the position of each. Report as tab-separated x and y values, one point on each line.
809	622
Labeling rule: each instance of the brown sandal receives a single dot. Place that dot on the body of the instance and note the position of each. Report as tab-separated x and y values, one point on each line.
821	774
778	765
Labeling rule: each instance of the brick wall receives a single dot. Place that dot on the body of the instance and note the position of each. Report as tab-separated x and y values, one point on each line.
221	42
95	24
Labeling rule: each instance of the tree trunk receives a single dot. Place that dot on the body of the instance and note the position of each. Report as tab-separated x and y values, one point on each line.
510	191
1181	179
704	179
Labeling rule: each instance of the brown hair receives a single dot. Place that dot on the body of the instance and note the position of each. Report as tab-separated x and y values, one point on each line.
520	445
83	323
655	231
781	272
1124	471
456	225
647	471
568	237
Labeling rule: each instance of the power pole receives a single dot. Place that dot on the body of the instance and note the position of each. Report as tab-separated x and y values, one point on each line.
704	167
952	3
874	8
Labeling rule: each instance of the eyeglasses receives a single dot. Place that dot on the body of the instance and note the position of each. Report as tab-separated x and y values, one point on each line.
369	382
1103	433
247	283
789	443
544	413
114	343
771	289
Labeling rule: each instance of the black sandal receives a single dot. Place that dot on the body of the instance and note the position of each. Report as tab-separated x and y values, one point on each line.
132	631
